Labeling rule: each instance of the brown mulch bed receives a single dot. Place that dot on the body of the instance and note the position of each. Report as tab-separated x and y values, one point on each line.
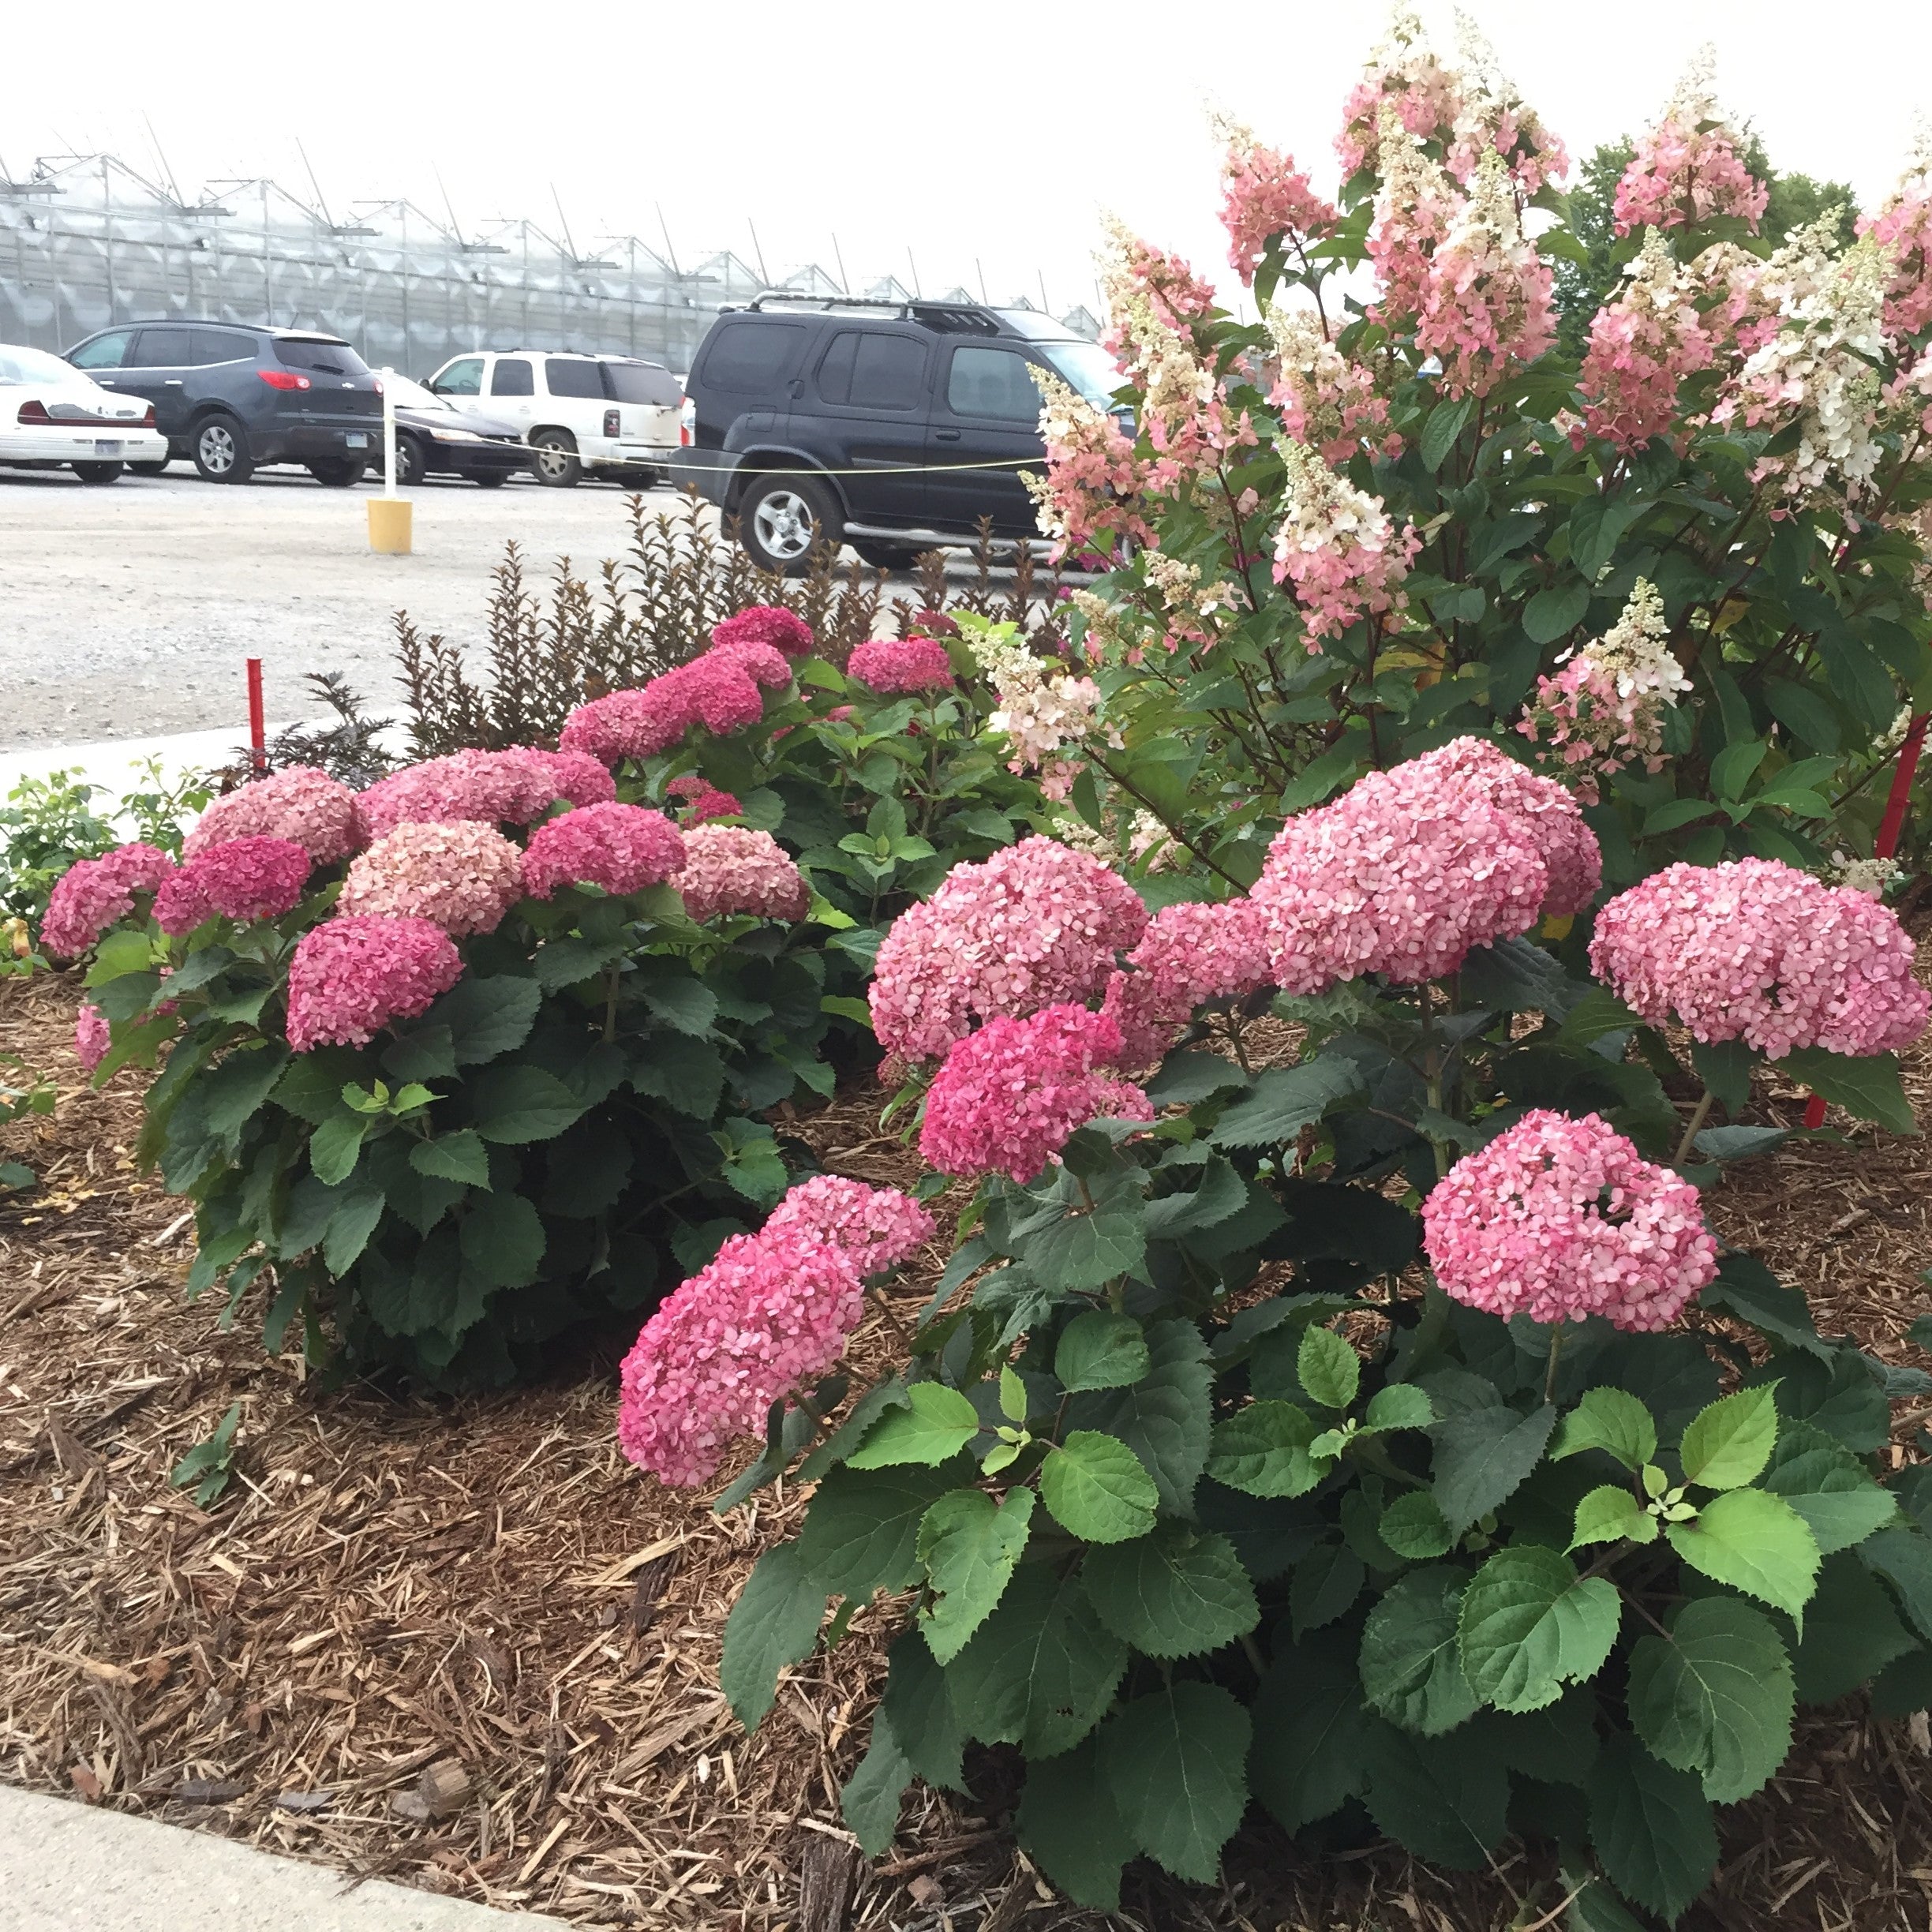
464	1645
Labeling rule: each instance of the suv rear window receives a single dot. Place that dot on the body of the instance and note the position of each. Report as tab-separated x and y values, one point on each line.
565	377
642	382
326	358
869	371
748	358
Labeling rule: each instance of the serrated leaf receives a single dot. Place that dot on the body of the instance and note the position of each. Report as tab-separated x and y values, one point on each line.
1868	1086
1715	1697
1611	1516
1068	1823
1444	424
459	1156
1730	1442
1177	1761
935	1423
1746	1288
1852	1633
1444	1800
1553	612
486	1017
1401	1404
685	1006
335	1147
968	1546
1755	1543
1097	1488
1311	1733
870	1801
775	1622
1330	1370
1651	1827
1325	1586
502	1241
1411	1665
358	1215
1184	1078
1285	1099
1612	1420
1078	1253
1483	1457
1097	1350
861	1531
1904	1557
923	1722
515	1105
1529	1625
1262	1450
1163	1417
1177	1593
1412	1526
1829	1487
1222	1192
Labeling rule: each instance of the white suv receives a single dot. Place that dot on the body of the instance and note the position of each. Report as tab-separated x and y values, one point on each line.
611	415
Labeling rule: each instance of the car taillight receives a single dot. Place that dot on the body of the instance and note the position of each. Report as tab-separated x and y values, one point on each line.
688	423
34	411
282	379
148	422
613	423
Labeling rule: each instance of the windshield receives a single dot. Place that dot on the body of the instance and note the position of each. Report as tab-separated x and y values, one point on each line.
1088	368
35	365
414	395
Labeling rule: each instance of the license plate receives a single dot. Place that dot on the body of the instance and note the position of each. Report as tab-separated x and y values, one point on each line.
106	446
355	440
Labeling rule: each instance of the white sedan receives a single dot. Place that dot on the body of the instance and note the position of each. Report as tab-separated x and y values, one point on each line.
51	414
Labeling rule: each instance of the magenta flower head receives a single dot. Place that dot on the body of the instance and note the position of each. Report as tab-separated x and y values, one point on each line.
703	799
622	848
351	977
516	787
1558	1218
247	878
772	1310
734	869
913	664
1756	950
762	663
1034	925
91	1036
718	691
1190	954
877	1228
303	805
93	894
461	876
766	623
1009	1097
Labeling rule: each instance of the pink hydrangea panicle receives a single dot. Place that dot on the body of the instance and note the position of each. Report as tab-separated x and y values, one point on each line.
876	1227
92	1037
1643	342
770	1310
1904	227
351	977
769	624
1009	1097
1686	168
93	894
701	800
247	879
304	806
1326	400
1405	83
1264	195
1095	483
1559	1219
1753	950
622	848
1190	954
1035	925
461	876
913	664
1336	548
1494	118
1413	207
735	869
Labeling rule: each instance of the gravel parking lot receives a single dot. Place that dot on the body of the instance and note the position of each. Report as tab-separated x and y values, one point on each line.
128	610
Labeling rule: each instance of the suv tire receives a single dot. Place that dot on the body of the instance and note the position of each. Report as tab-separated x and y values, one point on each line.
557	463
99	472
220	450
782	519
338	471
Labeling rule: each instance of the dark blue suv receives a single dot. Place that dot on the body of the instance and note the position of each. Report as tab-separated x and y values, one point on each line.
231	399
895	427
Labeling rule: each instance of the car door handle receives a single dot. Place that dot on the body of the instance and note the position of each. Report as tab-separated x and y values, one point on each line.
946	436
173	382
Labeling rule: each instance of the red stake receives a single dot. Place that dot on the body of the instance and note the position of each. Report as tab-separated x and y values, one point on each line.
258	727
1890	827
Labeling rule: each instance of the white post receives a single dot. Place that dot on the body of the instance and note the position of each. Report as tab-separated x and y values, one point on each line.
389	434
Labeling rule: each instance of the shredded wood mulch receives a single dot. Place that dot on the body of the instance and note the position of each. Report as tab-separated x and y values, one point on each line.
463	1644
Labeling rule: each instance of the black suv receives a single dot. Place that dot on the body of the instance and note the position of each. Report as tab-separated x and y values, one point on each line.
233	399
895	426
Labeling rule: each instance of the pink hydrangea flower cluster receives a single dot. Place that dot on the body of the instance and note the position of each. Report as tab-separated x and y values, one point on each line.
1904	225
769	624
351	977
1263	195
875	1228
1191	953
1034	925
735	869
460	876
701	799
93	1036
1326	400
911	663
1559	1219
247	878
623	849
770	1310
93	894
1753	950
1686	168
718	691
1643	342
1336	547
1402	875
514	786
1405	84
301	804
1412	210
1094	481
1009	1096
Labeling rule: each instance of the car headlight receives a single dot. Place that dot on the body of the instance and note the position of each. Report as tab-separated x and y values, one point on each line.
458	436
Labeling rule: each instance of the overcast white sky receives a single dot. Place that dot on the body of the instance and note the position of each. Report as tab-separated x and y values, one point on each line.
987	131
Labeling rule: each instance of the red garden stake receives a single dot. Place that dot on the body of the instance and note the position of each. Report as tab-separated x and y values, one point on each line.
1886	843
258	729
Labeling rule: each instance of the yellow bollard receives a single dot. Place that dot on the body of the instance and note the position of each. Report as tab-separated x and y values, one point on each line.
389	525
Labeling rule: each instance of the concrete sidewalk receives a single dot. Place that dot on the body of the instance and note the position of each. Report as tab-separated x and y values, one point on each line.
70	1867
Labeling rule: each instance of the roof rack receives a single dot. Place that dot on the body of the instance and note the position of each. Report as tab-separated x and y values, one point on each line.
947	317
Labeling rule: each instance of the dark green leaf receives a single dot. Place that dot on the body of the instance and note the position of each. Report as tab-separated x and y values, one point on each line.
1097	1350
486	1017
1444	424
503	1241
1869	1087
1904	1557
870	1802
1163	1417
1311	1732
1517	976
1829	1487
1262	1450
1411	1667
1445	1800
1651	1827
862	1528
1222	1192
833	1449
1175	1593
775	1622
917	1707
1529	1625
334	1146
1412	1526
358	1212
515	1105
1851	1633
1483	1457
1284	1100
685	1005
1069	1824
1746	1288
1078	1253
459	1156
968	1546
688	1074
1325	1584
1177	1762
231	1092
1184	1078
1715	1697
1725	1067
1553	612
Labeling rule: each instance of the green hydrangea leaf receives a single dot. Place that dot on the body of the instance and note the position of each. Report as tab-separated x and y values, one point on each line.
1325	1584
775	1622
1099	1351
1651	1827
968	1545
1177	1762
1444	1800
1164	1418
1330	1370
1412	1526
1829	1487
870	1801
936	1423
1311	1731
1068	1823
1483	1457
1410	1661
1177	1593
1729	1443
1263	1450
861	1530
1611	1516
1610	1420
1401	1405
1098	1488
1755	1543
1528	1625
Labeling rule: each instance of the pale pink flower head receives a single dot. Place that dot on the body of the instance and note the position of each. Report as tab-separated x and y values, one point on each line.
1034	925
1191	953
770	1310
1336	548
1754	949
623	849
1327	399
246	879
93	894
913	664
1904	225
766	623
351	977
735	869
93	1036
1263	195
516	787
1643	342
461	876
1009	1096
304	806
1686	168
1405	82
1559	1219
877	1228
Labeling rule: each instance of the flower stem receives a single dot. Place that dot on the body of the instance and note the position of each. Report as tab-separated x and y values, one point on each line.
817	1421
891	1320
1690	1131
1555	1349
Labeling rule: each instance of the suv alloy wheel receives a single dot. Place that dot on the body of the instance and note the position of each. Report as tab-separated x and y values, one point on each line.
782	519
557	463
221	450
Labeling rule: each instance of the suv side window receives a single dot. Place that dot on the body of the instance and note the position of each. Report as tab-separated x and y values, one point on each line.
512	376
162	348
992	383
747	358
108	351
212	345
878	372
563	376
464	378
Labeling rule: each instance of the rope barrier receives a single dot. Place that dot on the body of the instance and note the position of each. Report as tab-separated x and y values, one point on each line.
1003	463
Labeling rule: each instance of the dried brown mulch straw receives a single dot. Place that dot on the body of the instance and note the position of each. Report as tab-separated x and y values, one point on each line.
463	1644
